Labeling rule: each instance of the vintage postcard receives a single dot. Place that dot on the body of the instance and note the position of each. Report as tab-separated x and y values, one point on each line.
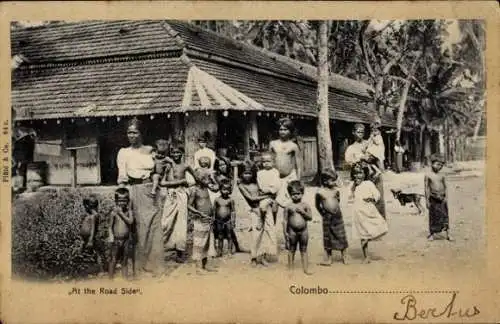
249	162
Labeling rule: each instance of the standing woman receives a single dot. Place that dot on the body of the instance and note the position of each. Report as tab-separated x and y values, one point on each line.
135	165
356	153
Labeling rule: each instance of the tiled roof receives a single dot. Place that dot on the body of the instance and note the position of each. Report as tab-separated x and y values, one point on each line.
287	96
109	89
91	39
156	85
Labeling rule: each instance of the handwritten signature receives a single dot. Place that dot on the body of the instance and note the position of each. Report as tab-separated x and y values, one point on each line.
412	311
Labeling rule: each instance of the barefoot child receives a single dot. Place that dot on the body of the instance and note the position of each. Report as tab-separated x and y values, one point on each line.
203	217
123	233
367	221
163	164
204	151
269	182
263	234
175	210
437	202
224	217
222	172
88	230
296	215
204	170
375	147
328	205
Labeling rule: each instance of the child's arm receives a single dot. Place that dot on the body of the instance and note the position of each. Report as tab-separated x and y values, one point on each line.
93	219
192	209
250	197
298	162
214	185
305	211
191	201
128	218
318	203
353	189
444	189
427	183
172	183
110	229
371	194
233	213
377	173
285	222
191	171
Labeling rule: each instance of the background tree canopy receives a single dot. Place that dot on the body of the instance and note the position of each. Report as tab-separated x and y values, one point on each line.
446	81
429	73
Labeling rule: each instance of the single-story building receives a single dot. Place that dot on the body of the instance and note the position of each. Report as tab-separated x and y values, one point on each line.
81	81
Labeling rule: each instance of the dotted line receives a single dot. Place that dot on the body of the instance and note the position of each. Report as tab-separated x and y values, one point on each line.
395	292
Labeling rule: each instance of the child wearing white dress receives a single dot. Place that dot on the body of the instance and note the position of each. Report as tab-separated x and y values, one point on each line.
368	222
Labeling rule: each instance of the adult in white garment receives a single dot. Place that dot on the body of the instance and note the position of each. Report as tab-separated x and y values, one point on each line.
356	153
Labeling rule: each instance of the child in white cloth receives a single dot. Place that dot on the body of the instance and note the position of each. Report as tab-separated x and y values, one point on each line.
368	222
375	144
269	182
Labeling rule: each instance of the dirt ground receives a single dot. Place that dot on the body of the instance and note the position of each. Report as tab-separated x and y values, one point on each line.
404	247
403	261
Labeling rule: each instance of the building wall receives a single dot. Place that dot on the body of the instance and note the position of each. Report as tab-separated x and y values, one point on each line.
51	148
195	125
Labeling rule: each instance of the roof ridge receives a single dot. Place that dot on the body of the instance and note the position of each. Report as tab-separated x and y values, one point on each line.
232	40
283	58
174	34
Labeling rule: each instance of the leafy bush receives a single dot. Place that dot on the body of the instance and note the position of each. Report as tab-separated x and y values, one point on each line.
45	234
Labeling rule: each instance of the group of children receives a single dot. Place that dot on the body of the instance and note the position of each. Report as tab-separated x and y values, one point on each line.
216	215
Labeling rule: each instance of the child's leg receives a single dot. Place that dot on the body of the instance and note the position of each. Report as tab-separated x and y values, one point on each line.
219	238
156	181
220	247
101	255
274	210
85	240
124	262
343	254
303	240
114	256
234	241
292	247
179	256
328	260
264	206
204	263
227	235
132	257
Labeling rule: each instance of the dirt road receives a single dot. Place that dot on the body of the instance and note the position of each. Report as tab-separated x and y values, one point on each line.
403	248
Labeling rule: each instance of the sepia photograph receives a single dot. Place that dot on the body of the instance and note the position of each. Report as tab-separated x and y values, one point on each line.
309	156
151	145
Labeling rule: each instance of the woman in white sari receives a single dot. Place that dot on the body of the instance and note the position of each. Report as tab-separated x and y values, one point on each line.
135	165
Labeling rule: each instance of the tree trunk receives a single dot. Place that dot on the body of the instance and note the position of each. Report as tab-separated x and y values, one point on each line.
427	147
420	150
324	139
477	127
404	96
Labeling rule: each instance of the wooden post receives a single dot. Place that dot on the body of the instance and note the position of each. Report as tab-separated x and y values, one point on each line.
251	133
389	155
73	168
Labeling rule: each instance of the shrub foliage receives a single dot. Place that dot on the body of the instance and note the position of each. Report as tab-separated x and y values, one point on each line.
45	234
